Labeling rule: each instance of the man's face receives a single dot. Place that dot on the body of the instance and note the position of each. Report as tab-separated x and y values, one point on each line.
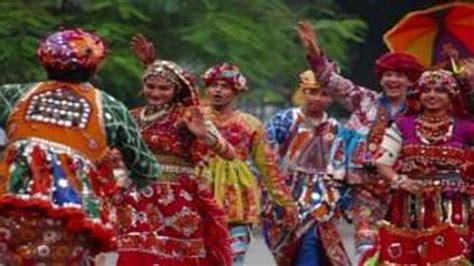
221	93
395	84
316	100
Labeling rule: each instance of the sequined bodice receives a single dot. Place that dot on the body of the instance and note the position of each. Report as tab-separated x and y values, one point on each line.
165	138
446	156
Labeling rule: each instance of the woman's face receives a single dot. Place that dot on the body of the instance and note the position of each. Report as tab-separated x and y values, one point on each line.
434	98
158	91
395	84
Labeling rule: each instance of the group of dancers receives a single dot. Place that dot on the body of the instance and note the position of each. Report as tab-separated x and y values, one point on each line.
183	180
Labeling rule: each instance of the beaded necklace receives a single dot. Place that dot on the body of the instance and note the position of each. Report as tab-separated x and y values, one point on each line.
154	112
432	130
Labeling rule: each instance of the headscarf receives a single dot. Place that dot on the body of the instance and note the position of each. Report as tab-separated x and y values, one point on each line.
181	80
227	72
307	81
71	50
439	78
443	80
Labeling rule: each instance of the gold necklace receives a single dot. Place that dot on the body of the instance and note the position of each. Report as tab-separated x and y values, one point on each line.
154	115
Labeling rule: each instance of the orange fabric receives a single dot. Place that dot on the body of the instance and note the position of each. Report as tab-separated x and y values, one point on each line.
416	32
90	141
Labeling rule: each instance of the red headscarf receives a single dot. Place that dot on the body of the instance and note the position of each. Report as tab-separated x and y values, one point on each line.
227	72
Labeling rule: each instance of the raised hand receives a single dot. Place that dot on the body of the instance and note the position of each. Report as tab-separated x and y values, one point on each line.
194	121
143	49
308	38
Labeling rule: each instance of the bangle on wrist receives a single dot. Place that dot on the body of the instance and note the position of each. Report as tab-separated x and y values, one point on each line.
211	140
397	181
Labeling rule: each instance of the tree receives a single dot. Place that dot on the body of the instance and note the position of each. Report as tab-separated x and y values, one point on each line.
257	35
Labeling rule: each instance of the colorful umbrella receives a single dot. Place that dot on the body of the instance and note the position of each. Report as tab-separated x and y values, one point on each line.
435	34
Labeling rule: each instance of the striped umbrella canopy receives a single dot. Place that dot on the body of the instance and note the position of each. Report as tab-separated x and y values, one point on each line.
436	34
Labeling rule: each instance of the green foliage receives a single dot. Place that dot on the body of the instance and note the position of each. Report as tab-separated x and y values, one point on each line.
257	35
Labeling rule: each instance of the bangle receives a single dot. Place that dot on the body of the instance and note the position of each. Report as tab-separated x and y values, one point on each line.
211	139
397	181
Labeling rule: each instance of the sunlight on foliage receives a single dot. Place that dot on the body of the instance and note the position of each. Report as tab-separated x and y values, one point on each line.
257	35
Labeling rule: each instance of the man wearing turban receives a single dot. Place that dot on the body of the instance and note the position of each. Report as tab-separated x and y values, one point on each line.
55	184
372	113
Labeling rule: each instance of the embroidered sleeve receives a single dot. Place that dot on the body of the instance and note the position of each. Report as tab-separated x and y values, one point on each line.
266	163
124	134
9	95
389	150
354	97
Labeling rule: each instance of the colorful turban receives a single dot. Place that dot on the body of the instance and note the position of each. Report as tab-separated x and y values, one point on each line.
71	50
181	80
399	62
307	81
440	78
228	73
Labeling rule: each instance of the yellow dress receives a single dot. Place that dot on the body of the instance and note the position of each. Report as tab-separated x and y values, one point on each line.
235	183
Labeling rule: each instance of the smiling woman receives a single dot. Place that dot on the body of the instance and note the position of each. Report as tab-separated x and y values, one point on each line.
158	91
430	203
178	217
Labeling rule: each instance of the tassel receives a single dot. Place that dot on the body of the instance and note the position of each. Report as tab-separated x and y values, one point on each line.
89	202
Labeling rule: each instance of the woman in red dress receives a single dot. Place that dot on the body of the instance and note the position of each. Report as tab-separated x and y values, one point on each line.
427	158
175	221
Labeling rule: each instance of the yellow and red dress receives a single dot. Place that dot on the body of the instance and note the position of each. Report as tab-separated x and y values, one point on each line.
235	185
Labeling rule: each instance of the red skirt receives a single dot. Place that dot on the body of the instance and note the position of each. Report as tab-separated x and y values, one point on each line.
31	238
439	245
172	223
